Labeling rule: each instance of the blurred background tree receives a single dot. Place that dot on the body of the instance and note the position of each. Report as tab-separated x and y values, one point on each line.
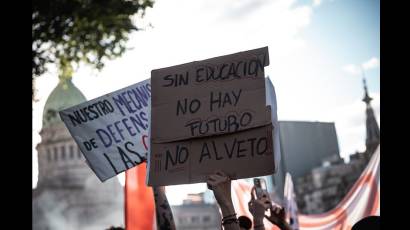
67	32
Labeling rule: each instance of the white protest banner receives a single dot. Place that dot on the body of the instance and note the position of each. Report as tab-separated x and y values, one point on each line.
111	130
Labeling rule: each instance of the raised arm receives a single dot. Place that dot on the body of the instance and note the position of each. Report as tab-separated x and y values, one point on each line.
220	184
257	208
165	220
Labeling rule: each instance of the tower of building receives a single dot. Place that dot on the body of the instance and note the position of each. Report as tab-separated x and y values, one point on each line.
324	187
372	128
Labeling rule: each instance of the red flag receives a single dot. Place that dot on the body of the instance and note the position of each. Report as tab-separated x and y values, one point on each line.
139	199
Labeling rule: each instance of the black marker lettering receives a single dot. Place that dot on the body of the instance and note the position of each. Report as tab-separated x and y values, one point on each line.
204	153
112	165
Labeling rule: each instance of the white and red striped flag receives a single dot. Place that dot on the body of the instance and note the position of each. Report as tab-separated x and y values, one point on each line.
361	201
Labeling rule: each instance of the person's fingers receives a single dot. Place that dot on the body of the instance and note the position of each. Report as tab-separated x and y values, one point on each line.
209	178
211	183
219	179
215	177
209	186
220	173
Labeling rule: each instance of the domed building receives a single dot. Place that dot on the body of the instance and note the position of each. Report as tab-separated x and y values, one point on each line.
68	194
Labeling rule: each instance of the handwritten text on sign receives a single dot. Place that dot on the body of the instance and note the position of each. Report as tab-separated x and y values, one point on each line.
193	160
210	115
109	130
209	97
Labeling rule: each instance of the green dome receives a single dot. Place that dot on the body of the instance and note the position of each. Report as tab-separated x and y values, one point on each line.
64	95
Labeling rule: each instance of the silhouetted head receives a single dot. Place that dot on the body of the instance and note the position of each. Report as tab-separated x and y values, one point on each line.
245	222
370	222
115	228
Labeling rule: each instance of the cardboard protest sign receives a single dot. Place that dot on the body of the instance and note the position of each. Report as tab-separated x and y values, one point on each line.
111	130
209	97
220	101
242	154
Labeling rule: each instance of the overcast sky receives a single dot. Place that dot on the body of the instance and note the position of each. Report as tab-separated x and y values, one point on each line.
316	50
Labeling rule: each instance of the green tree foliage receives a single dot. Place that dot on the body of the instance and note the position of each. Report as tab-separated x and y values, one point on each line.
67	32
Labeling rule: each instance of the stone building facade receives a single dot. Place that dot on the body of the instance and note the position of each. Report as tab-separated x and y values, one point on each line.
68	194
